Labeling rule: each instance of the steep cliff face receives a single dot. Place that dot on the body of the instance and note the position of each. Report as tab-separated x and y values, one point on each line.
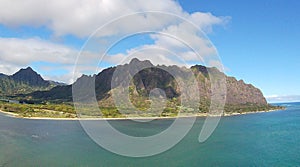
240	93
145	80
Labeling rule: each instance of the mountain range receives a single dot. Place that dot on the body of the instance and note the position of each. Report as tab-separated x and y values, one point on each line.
32	86
239	94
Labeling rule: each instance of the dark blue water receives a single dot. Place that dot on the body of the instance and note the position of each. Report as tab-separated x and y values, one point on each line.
263	139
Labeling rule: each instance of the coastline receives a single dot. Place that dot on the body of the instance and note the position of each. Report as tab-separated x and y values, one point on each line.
246	113
201	115
10	114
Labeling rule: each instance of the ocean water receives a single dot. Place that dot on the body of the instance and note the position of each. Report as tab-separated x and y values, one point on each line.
262	139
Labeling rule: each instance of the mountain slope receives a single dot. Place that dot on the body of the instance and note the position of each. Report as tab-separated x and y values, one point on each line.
2	75
239	94
30	77
22	82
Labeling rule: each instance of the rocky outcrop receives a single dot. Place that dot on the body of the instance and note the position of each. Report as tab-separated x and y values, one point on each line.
238	92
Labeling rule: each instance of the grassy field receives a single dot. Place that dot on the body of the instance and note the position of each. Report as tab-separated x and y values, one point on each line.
40	110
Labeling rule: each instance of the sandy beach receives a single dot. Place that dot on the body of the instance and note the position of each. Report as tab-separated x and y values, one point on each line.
10	114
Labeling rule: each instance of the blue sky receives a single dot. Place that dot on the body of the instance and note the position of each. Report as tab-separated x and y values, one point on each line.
260	44
257	40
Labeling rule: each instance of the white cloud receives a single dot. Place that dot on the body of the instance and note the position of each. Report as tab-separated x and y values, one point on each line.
24	51
18	53
156	54
283	98
68	78
183	39
82	17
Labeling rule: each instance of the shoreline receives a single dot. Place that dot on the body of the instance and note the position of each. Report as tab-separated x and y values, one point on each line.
251	112
202	115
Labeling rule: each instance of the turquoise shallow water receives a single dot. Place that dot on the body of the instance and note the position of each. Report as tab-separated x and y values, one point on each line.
263	139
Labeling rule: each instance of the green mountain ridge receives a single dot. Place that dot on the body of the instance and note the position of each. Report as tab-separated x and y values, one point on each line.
238	92
22	82
52	98
240	96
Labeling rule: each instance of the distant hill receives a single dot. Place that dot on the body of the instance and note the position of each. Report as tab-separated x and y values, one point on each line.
56	83
238	93
24	81
2	75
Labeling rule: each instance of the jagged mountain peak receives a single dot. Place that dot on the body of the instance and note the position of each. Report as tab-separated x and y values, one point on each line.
26	80
137	62
29	76
26	71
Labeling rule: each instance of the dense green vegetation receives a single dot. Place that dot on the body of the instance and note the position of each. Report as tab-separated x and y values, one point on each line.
24	81
142	107
9	86
244	108
66	110
39	110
